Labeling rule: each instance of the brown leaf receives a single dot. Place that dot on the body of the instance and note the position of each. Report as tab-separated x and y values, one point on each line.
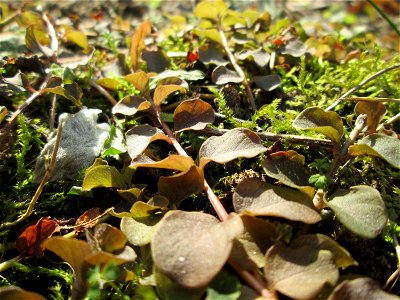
193	114
374	111
138	79
29	243
137	43
87	220
14	293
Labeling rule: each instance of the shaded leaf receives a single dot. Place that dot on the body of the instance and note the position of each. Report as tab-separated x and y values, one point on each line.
267	83
210	9
139	231
380	145
223	75
137	43
299	272
295	48
193	114
73	252
249	249
103	176
157	60
360	288
326	122
288	168
14	292
29	243
29	18
226	286
238	142
191	75
361	209
36	39
71	91
139	80
130	105
374	111
163	91
261	58
103	259
110	239
141	209
257	198
181	240
210	54
139	137
319	241
87	220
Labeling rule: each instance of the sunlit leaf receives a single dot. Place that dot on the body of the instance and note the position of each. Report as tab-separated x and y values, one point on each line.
29	243
36	40
103	176
299	272
257	198
235	143
139	137
130	105
173	162
374	111
191	75
71	91
295	48
361	209
261	58
183	238
211	34
110	239
360	288
138	79
380	145
288	167
73	252
3	112
139	231
193	114
223	75
137	43
210	9
104	258
268	82
249	249
141	209
109	83
328	123
28	18
163	91
14	292
78	38
342	257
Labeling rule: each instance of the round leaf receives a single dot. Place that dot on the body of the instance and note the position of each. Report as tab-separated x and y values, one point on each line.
103	176
193	114
210	9
130	105
163	91
361	209
257	198
110	239
267	83
326	122
223	75
191	247
238	142
139	231
300	272
383	146
374	111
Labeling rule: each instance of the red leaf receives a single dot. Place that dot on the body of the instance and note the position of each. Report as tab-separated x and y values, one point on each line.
192	56
30	241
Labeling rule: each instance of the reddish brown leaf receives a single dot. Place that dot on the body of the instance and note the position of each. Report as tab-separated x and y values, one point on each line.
30	241
375	111
87	219
193	114
137	44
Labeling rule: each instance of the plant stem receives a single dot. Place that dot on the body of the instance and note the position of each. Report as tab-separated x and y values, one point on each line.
39	190
370	99
358	86
384	15
5	265
390	121
103	92
266	136
237	68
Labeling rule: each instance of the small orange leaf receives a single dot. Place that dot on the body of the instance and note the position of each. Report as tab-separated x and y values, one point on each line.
137	44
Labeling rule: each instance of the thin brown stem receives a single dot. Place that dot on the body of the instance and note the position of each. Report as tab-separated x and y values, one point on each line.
102	91
237	68
39	190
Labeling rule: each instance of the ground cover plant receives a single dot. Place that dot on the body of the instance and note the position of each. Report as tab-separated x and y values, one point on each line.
211	150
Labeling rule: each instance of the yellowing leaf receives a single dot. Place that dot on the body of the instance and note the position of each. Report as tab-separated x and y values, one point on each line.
137	43
210	9
103	176
211	34
139	80
374	111
109	83
78	38
163	91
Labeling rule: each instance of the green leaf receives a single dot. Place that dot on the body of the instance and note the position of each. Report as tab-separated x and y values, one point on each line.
103	176
226	286
192	247
163	91
361	209
360	288
78	38
380	145
299	272
211	34
140	231
71	91
210	9
109	83
235	143
326	122
193	114
257	198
